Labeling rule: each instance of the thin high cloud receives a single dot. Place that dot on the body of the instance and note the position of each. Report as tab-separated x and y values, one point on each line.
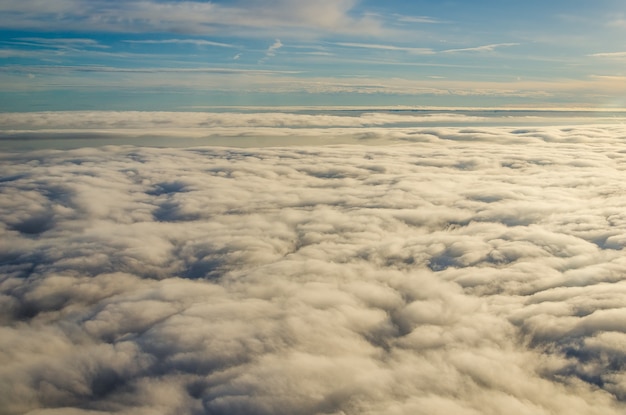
197	42
271	50
186	17
418	19
58	69
593	90
618	55
345	47
467	271
417	51
483	48
426	51
59	42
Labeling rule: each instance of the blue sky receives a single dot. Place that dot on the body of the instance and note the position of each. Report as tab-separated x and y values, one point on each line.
185	55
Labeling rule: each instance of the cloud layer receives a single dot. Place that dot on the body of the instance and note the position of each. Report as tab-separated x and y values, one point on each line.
471	271
194	17
304	125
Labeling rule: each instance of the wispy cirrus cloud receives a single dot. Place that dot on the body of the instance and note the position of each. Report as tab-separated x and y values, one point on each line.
21	53
104	69
197	42
419	19
59	42
483	48
271	50
619	22
286	82
425	51
357	39
376	46
189	17
617	55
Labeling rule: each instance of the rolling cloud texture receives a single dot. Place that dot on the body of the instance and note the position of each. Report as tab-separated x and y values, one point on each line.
461	271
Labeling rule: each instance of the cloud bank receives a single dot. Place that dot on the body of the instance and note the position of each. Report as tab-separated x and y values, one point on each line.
310	125
472	271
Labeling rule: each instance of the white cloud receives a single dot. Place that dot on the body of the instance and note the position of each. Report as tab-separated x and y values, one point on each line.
426	51
19	53
222	79
111	120
272	128
483	48
271	50
197	42
619	22
610	55
418	19
476	270
418	51
299	18
59	42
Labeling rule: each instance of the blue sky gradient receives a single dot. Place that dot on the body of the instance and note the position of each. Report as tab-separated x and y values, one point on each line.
184	55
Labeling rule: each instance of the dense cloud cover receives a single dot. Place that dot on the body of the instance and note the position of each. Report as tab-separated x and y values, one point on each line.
462	271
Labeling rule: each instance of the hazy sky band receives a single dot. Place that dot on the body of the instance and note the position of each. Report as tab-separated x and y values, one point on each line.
76	54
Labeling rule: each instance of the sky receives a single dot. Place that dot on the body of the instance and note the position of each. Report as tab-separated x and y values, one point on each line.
190	55
272	207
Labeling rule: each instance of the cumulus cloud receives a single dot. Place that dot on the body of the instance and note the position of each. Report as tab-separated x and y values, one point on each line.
461	270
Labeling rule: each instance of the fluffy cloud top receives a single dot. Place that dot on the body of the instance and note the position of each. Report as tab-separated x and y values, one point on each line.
473	271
